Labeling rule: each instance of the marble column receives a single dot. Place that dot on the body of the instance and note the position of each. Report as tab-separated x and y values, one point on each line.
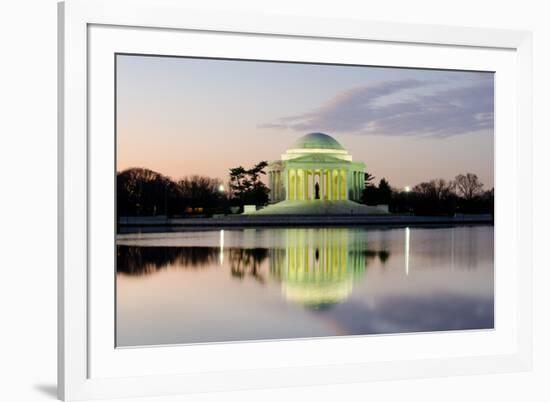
339	174
352	185
322	185
357	192
358	185
329	185
287	184
355	186
276	186
333	185
297	198
292	184
277	180
339	185
300	185
289	188
297	185
343	189
279	186
306	185
323	178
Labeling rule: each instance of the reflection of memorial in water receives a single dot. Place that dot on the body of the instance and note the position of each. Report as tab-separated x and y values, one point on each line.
317	267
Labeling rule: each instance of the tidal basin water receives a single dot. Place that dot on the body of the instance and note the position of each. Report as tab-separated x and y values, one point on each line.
275	283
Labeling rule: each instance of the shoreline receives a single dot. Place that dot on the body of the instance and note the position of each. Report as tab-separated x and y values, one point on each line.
303	220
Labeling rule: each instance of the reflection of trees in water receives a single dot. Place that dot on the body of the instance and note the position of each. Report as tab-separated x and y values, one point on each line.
246	261
315	267
136	260
370	255
383	255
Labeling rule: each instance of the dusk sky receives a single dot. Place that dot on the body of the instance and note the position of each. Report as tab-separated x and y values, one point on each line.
183	116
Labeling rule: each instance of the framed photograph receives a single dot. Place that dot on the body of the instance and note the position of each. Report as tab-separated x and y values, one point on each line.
252	201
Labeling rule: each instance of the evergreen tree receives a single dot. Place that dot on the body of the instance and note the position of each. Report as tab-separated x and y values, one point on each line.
246	184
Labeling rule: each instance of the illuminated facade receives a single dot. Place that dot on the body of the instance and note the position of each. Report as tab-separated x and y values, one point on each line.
316	167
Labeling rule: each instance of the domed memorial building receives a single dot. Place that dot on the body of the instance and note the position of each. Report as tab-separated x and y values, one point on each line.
316	175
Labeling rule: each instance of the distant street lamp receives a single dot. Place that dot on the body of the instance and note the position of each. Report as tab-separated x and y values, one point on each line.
221	188
407	190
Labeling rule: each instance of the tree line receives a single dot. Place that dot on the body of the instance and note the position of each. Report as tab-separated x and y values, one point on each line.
464	194
143	192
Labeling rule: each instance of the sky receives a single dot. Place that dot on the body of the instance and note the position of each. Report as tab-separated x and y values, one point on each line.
185	116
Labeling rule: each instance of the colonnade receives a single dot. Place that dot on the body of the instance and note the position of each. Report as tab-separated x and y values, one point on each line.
357	184
310	184
276	185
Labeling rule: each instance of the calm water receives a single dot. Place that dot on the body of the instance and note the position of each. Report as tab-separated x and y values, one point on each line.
246	284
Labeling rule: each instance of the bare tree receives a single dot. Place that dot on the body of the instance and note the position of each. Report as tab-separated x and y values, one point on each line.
468	186
143	192
437	189
199	190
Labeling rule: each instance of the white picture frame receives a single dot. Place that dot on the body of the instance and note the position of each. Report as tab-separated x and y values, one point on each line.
89	365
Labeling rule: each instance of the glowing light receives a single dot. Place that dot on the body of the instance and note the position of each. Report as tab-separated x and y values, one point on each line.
407	240
407	189
221	188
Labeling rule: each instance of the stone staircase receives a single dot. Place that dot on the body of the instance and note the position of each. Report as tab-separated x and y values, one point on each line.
319	207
